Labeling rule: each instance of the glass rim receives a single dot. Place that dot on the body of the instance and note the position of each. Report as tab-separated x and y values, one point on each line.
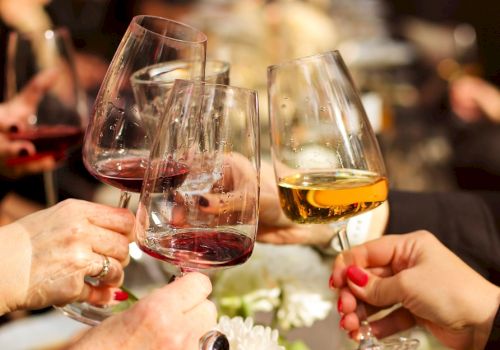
34	34
334	53
136	80
136	21
227	87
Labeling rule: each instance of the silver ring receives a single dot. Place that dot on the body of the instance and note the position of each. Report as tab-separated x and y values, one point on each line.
214	340
105	268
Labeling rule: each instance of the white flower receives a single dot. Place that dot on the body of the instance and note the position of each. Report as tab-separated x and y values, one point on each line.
243	335
290	279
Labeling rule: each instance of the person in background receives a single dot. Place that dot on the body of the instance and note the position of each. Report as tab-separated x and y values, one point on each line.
434	287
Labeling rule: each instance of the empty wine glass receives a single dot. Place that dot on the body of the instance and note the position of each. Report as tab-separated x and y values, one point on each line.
117	143
59	121
327	161
198	207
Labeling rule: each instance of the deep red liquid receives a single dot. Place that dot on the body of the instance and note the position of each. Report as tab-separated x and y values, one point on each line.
49	140
128	174
202	249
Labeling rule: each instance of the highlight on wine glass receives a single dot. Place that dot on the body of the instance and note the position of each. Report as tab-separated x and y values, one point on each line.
199	202
45	61
117	142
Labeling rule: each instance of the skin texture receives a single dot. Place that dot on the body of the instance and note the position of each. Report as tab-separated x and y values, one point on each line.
434	287
46	255
174	317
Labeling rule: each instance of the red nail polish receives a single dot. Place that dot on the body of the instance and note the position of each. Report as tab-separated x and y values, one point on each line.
121	295
342	323
330	282
339	305
357	276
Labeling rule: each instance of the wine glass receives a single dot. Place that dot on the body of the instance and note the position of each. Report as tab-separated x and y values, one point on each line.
198	208
152	84
117	143
327	161
58	124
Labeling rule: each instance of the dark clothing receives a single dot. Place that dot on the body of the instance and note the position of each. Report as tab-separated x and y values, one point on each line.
464	222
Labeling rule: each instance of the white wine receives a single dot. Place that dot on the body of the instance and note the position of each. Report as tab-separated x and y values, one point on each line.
322	197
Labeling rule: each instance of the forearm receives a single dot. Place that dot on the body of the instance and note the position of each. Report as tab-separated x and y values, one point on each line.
15	250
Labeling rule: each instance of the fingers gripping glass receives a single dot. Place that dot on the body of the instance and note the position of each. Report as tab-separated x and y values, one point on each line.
327	161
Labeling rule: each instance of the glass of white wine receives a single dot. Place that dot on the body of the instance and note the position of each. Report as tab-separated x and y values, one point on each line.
326	158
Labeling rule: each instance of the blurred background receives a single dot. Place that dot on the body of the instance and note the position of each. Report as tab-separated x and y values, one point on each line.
404	56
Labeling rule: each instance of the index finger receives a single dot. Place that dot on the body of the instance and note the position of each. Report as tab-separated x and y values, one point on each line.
120	220
372	254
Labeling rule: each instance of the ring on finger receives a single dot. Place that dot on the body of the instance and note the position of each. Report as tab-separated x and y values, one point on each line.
105	268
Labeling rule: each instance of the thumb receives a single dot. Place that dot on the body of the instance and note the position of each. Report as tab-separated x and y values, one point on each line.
374	290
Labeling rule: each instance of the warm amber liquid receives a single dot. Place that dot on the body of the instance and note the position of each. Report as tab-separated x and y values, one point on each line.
322	197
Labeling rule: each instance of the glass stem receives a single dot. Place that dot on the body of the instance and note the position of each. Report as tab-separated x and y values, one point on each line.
366	339
124	199
50	188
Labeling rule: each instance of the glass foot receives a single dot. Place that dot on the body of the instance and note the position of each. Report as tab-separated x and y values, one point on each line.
86	313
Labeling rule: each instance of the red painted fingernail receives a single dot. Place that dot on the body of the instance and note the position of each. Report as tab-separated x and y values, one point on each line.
339	305
342	322
23	152
357	276
331	283
121	295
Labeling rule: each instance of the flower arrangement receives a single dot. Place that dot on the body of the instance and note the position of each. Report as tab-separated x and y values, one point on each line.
289	282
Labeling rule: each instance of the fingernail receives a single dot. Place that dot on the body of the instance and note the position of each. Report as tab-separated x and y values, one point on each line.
331	282
357	276
120	295
342	322
23	152
339	305
13	128
203	202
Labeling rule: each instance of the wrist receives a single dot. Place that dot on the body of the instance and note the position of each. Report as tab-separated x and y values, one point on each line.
490	301
15	249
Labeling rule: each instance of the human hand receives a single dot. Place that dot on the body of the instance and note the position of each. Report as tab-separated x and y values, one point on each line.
473	98
46	255
16	113
434	287
10	150
174	317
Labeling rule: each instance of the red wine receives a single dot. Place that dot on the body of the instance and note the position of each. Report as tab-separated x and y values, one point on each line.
49	140
201	249
127	174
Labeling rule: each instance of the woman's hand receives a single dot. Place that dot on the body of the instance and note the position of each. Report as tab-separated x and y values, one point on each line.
46	255
174	317
434	287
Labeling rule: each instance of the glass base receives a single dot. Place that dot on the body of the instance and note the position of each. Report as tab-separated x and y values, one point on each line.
400	343
86	313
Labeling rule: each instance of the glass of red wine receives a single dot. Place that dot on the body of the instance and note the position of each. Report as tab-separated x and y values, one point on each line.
58	123
198	208
117	143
